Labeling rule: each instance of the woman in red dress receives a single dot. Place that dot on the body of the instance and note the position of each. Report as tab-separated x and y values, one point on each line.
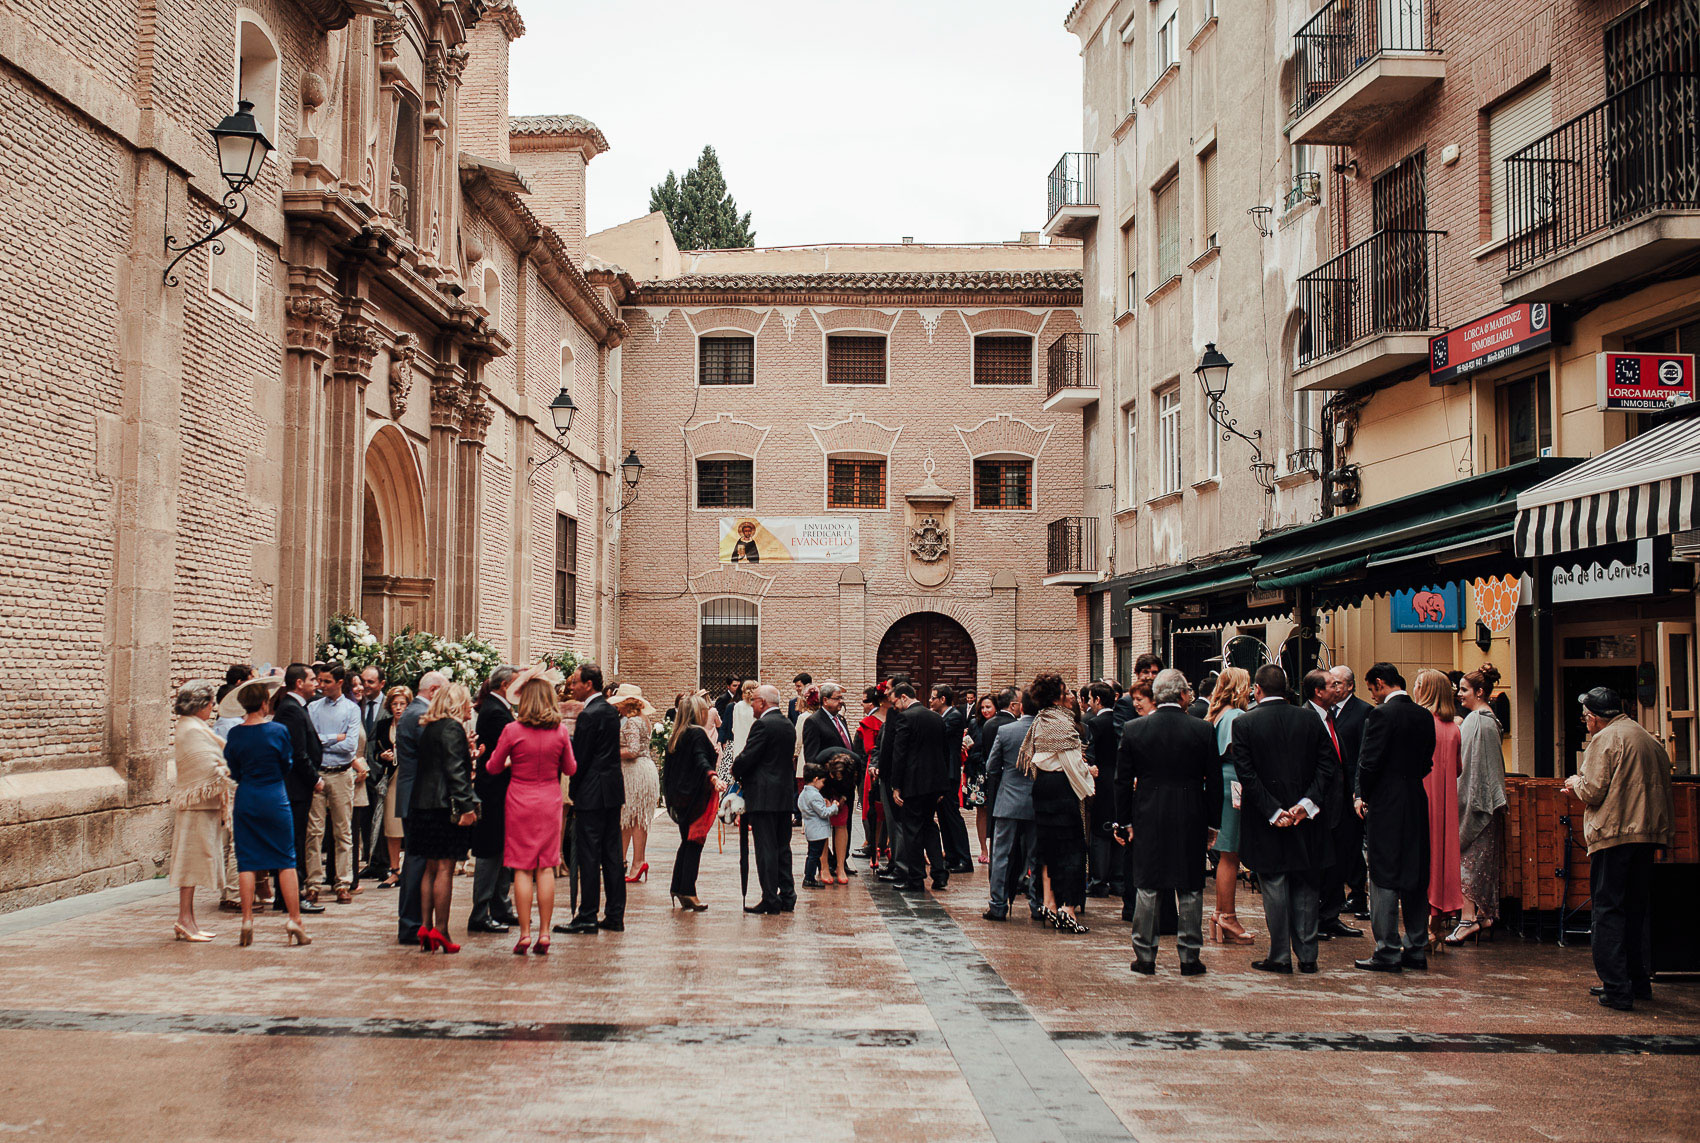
538	748
1445	877
876	704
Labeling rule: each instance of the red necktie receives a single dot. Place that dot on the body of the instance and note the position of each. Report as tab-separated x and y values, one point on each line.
842	733
1335	737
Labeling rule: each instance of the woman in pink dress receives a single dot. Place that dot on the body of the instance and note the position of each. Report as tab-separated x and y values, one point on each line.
1445	878
540	752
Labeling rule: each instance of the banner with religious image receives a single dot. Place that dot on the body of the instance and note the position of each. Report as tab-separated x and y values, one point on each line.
790	539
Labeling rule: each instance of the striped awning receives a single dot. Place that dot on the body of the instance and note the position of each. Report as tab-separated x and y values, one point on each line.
1644	487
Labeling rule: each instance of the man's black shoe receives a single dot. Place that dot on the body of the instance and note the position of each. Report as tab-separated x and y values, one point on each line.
1308	967
811	883
1339	928
962	867
407	939
373	873
1361	913
1324	935
1144	967
485	927
909	886
1370	964
885	875
1640	993
1097	890
1127	916
788	906
577	928
1272	966
608	926
941	883
1196	968
761	910
509	918
989	915
1414	961
1619	1005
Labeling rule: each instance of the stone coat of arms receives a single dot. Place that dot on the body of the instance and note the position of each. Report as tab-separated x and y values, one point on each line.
929	541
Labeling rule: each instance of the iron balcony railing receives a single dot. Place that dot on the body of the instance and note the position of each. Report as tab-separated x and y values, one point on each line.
1071	545
1069	363
1073	182
1347	34
1635	153
1388	283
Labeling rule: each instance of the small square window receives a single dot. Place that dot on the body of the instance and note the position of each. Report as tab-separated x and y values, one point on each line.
857	359
1004	484
726	483
855	484
1002	359
726	361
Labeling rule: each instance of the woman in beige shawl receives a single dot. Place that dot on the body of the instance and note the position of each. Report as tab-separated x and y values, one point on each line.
200	803
1054	756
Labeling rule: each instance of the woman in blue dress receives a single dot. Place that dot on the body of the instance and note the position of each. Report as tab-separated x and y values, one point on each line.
1229	700
259	753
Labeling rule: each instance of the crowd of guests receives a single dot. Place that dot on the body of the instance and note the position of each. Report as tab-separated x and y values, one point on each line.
1390	811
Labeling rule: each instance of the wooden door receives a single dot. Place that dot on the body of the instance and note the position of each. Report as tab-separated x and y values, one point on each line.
931	649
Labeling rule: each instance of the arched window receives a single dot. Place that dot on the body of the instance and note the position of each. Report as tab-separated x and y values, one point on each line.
566	367
729	642
257	72
493	295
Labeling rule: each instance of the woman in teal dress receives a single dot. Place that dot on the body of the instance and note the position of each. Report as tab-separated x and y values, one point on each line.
259	753
1228	702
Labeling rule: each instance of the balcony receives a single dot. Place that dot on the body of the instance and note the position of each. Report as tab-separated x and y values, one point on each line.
1358	61
1608	196
1369	311
1071	551
1071	209
1071	378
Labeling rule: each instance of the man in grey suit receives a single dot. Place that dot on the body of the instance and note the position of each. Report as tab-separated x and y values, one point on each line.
406	759
1010	793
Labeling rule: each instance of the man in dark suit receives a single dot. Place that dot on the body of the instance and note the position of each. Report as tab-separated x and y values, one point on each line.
953	831
800	682
1168	787
918	772
1397	753
826	729
765	770
1009	793
300	685
598	790
1349	714
492	907
1316	692
406	763
1285	766
723	707
1106	865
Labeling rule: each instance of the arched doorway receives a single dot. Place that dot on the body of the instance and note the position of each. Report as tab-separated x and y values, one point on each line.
394	590
931	649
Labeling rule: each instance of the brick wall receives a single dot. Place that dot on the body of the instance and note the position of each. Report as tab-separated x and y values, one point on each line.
556	174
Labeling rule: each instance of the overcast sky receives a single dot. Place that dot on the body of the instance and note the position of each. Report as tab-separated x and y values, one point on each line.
835	120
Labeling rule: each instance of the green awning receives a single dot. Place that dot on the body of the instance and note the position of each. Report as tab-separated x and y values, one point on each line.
1189	582
1313	575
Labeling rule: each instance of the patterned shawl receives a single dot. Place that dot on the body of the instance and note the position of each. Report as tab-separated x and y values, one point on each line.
1053	743
1481	781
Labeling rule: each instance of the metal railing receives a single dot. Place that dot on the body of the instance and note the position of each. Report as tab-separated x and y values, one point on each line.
1347	34
1073	182
1071	545
1388	283
1070	364
1635	153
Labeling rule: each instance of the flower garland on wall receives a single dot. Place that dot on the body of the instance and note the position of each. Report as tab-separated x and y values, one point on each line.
409	653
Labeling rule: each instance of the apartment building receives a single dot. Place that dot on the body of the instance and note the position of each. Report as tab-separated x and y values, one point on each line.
1462	210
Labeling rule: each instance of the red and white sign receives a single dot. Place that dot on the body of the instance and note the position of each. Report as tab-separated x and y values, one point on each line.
1645	380
1500	336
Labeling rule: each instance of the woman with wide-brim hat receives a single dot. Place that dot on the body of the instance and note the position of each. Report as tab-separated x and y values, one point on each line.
259	753
200	802
643	780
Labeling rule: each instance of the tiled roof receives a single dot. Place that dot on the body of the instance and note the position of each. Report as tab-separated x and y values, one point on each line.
557	125
958	281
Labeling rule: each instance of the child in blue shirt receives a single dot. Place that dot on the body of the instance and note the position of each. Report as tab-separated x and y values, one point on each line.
817	821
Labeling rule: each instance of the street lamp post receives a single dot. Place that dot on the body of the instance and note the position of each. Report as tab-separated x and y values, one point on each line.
242	150
561	412
1212	374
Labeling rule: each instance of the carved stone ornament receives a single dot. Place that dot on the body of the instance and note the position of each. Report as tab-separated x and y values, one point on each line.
929	540
406	348
311	320
448	399
477	423
357	344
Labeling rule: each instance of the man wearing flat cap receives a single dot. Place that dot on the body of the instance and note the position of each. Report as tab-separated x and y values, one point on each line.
1625	785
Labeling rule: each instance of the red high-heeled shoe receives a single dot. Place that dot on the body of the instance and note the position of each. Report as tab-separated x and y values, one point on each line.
523	947
641	875
443	942
427	939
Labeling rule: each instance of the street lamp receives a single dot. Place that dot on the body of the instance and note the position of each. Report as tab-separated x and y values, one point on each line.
631	470
242	150
561	410
1212	374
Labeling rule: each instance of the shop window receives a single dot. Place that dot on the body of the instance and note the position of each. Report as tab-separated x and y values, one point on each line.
1525	418
1169	441
257	74
855	359
726	360
566	571
729	642
726	483
1003	484
855	484
1095	636
1003	359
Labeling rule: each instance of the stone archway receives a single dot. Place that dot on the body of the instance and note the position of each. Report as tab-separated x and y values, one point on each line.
931	648
395	592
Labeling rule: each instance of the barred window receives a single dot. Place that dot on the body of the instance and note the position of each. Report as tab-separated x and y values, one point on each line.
1003	360
726	361
1003	484
855	484
726	483
566	571
857	359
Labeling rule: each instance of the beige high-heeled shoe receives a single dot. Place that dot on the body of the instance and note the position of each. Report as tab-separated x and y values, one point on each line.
1225	929
195	935
246	937
294	934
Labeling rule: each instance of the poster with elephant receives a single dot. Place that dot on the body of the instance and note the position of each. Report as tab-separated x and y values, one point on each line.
1437	608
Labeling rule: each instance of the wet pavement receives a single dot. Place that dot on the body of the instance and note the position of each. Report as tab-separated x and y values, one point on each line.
863	1015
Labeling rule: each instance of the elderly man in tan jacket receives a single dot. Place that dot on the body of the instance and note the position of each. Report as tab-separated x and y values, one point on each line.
1625	784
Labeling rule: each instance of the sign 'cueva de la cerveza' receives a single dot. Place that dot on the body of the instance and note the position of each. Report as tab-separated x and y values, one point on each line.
789	540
